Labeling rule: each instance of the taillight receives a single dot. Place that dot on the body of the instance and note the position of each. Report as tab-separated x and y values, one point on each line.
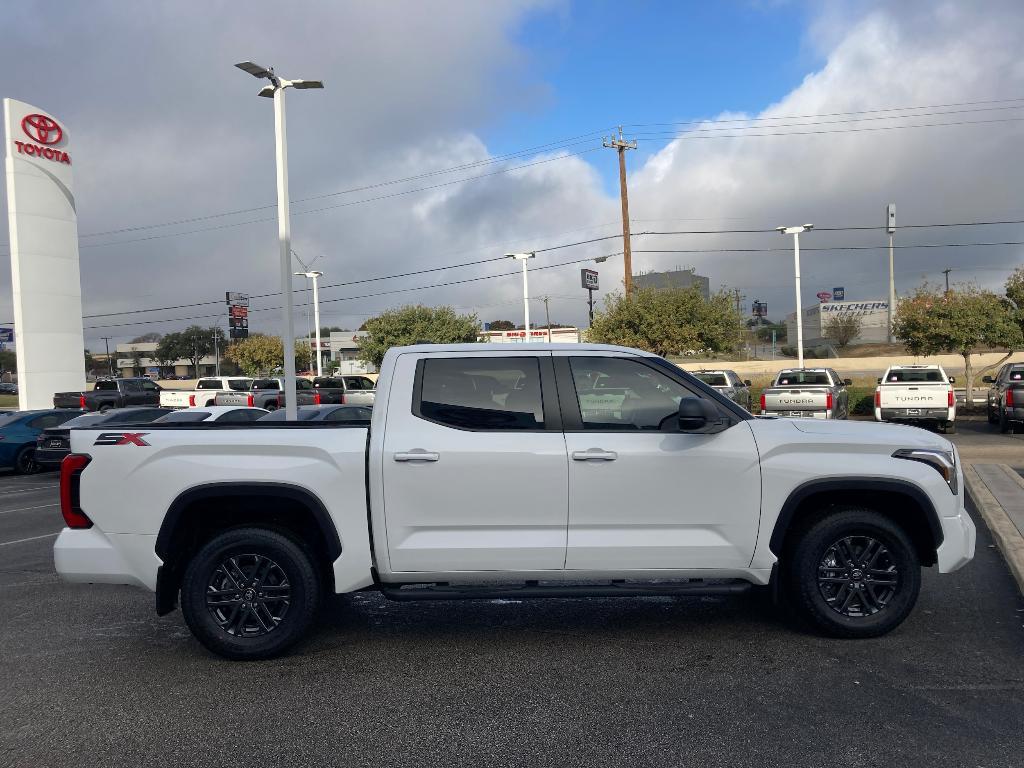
342	400
81	402
950	399
192	401
250	401
1009	398
764	406
316	398
278	401
71	469
828	401
878	398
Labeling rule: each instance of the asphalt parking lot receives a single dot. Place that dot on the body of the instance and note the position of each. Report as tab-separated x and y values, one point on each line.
92	677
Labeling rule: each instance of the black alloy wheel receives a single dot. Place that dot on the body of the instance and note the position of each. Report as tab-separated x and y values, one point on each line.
857	576
25	462
248	595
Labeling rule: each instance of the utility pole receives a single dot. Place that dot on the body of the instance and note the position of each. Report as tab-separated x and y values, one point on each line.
890	225
795	232
622	145
739	298
547	316
110	363
946	273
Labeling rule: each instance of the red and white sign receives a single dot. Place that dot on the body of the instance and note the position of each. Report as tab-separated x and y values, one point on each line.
824	296
43	130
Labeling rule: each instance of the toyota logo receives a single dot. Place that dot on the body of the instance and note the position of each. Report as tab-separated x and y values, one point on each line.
42	129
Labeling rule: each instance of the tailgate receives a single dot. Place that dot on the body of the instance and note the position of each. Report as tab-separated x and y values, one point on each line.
914	396
795	401
67	400
232	398
175	398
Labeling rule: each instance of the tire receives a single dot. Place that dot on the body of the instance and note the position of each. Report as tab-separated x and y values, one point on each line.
104	408
232	629
949	428
993	417
25	462
845	535
1004	423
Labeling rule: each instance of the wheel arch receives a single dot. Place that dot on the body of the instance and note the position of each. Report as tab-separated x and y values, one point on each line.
904	503
203	511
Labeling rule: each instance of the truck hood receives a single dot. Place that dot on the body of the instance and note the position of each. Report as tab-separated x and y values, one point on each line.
862	432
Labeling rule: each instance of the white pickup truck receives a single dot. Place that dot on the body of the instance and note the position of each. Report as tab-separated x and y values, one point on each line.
917	394
205	392
565	470
809	393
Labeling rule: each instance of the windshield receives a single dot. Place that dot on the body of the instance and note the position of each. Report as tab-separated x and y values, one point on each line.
915	376
791	378
712	379
304	414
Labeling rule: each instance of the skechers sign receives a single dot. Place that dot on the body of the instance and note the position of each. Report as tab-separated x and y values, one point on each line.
42	130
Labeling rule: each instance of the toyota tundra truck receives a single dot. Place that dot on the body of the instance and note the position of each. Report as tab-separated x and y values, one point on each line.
205	393
560	471
809	393
917	394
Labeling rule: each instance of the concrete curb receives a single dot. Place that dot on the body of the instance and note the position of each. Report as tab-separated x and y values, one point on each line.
1005	533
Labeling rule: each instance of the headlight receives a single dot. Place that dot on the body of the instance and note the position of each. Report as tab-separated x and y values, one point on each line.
944	462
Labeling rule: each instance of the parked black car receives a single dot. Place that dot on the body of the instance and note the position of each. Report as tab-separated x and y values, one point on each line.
54	443
8	389
1006	397
111	393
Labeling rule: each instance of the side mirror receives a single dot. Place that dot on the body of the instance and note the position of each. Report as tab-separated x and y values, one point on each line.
746	383
879	379
986	380
696	415
848	382
952	380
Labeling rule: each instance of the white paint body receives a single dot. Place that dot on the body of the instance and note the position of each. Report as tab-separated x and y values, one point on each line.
205	392
915	400
45	278
503	505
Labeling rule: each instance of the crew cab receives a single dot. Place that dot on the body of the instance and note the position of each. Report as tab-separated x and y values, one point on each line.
916	394
205	392
262	393
813	393
111	393
729	384
564	470
1006	397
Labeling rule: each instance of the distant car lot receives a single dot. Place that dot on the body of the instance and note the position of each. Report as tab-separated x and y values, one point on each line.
93	677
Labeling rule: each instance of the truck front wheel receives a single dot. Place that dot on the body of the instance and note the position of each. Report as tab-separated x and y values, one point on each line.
854	574
249	593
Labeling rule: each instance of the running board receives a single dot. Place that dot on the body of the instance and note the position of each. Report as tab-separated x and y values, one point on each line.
532	589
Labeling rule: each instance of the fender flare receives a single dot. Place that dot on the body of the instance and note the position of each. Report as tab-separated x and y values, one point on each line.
834	484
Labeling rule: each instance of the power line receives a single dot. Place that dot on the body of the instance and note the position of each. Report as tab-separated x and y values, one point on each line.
829	248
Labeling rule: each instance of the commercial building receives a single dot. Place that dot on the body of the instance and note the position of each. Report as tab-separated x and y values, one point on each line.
139	360
873	316
676	278
344	350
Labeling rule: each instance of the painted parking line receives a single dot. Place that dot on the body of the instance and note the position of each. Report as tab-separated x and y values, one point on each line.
26	509
30	538
12	491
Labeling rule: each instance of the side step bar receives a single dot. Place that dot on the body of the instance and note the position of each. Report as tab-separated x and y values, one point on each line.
532	589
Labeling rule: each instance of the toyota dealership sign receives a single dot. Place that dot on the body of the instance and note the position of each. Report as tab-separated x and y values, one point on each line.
43	228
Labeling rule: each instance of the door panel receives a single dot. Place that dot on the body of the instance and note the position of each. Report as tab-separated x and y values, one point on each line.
652	497
475	472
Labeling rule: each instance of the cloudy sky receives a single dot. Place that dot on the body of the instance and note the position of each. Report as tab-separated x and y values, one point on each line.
453	132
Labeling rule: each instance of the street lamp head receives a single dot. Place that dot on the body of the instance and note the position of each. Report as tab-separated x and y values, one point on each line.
520	256
307	83
255	69
795	230
601	259
268	91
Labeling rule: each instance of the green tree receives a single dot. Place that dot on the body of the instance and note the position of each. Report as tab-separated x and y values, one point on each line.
261	355
842	328
192	344
414	323
668	321
502	325
90	362
964	320
146	338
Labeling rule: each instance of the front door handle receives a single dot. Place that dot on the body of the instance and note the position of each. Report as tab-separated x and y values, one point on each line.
417	454
594	454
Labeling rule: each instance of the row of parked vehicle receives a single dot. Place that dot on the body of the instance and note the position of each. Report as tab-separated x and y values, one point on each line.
919	394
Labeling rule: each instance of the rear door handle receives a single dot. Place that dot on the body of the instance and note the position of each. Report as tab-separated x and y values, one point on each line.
594	454
417	454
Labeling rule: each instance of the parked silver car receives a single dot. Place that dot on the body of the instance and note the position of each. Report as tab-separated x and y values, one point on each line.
729	384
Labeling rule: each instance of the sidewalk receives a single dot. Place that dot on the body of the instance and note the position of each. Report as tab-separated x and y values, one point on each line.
998	492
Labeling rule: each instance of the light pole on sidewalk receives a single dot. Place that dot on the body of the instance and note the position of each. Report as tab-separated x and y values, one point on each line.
315	275
795	232
524	258
276	91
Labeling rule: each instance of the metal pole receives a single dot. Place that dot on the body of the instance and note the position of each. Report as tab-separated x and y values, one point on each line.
316	322
284	237
892	288
547	316
309	333
627	253
590	304
799	308
526	301
110	363
216	349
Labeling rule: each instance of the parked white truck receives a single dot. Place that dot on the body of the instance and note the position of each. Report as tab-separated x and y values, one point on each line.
205	392
486	472
917	394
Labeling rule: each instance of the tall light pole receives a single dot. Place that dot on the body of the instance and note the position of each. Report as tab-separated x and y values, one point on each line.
524	258
276	91
795	232
315	275
890	225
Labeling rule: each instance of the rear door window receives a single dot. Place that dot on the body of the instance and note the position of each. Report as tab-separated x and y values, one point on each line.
477	393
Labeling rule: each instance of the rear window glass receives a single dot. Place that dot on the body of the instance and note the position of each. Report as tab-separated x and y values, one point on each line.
183	416
303	384
327	383
813	378
712	379
359	382
1017	374
208	384
913	376
482	393
106	386
266	384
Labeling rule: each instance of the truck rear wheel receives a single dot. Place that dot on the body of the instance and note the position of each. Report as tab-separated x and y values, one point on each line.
854	574
249	593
